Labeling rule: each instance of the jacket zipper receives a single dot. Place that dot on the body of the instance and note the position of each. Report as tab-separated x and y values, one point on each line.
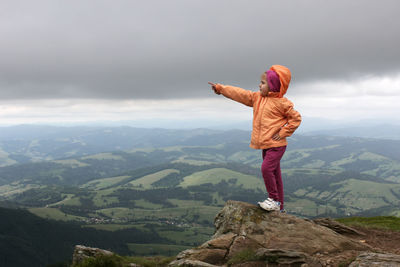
259	123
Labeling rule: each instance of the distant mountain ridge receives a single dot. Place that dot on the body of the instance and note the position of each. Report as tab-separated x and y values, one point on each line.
29	143
382	131
21	144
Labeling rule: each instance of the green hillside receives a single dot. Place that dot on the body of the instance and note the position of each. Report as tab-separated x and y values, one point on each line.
27	240
353	196
373	157
103	183
309	191
174	192
380	222
147	181
217	175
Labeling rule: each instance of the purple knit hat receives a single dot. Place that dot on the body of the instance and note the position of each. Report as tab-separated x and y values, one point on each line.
273	81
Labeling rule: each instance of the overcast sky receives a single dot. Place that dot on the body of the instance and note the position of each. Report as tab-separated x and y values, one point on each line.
91	60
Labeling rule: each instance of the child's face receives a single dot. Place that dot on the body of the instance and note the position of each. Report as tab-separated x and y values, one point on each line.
264	89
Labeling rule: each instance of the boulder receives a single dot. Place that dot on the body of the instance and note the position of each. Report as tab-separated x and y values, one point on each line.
246	234
81	253
376	259
286	257
275	230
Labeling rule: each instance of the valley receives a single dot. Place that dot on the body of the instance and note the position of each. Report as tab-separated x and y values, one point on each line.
175	191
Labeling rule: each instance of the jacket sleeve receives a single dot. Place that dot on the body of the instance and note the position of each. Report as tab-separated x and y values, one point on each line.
240	95
293	121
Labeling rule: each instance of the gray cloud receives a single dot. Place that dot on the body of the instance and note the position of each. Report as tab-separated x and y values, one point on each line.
170	49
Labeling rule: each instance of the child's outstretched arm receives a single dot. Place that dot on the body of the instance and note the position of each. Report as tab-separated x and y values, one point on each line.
240	95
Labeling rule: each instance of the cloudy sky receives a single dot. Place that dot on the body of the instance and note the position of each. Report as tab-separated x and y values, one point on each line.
94	60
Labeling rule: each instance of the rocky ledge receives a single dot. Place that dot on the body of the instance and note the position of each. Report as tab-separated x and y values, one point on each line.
246	235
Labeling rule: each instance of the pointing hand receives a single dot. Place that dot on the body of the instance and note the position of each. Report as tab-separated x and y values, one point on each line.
214	88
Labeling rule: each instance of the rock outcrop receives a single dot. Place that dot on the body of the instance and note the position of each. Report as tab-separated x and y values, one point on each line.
247	236
81	253
375	259
337	227
246	233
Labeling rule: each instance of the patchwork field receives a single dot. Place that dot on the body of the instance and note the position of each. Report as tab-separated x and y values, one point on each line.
216	175
103	183
146	182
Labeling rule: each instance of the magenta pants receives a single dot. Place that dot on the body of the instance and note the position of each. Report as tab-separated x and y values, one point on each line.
271	172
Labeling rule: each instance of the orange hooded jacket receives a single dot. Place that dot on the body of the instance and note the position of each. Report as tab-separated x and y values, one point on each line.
272	114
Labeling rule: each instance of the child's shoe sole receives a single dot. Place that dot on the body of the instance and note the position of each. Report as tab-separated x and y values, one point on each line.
263	206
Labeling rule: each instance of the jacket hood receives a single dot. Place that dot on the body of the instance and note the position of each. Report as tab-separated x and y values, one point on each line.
284	77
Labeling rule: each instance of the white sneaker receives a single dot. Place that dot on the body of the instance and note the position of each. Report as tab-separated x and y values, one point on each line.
267	201
270	204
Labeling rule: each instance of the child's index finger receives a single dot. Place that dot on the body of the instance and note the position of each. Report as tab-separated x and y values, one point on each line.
210	83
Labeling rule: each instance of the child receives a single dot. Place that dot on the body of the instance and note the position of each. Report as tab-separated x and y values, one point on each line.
274	119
